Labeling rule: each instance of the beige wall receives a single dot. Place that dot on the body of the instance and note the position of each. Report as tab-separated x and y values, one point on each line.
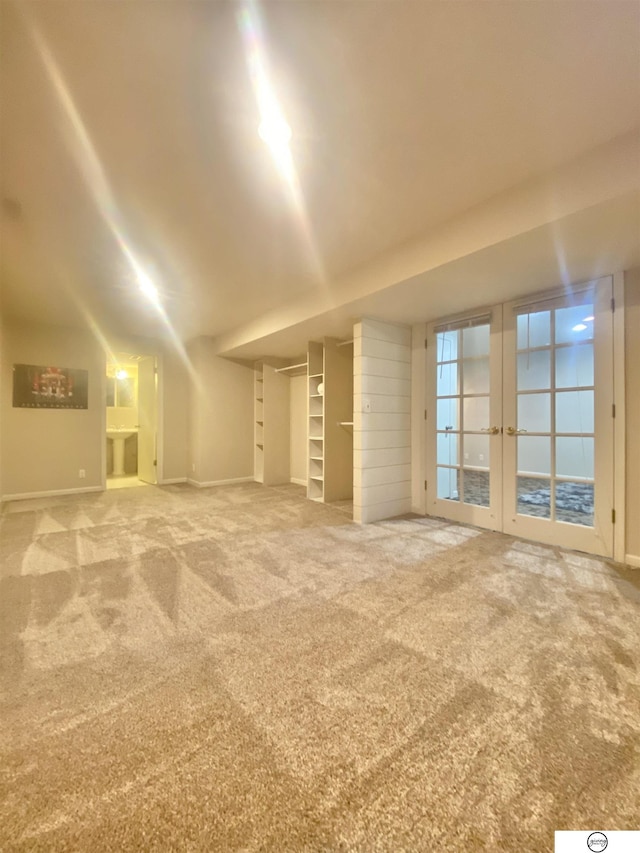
298	428
632	380
2	386
174	407
220	417
43	450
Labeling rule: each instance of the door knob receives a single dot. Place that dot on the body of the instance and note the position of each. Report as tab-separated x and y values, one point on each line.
491	430
514	431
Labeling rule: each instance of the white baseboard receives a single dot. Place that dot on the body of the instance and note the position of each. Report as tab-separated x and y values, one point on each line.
51	493
208	483
632	560
172	481
298	481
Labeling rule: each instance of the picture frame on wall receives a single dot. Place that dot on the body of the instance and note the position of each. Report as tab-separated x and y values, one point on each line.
39	387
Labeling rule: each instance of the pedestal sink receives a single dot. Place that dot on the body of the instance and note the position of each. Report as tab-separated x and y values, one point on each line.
118	437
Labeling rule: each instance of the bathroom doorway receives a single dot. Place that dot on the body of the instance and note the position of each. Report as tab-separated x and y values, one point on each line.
131	420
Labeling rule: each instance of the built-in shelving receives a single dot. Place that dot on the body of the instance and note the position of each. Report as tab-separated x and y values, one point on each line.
271	421
258	425
315	408
330	403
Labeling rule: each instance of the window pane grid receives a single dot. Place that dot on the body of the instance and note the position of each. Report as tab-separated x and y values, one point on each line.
461	356
569	496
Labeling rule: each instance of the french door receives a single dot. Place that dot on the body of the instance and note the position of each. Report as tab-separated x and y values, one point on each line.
520	418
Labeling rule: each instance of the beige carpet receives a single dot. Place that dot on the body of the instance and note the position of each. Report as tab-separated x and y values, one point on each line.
239	669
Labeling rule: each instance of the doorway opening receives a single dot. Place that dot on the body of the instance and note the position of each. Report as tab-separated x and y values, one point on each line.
131	420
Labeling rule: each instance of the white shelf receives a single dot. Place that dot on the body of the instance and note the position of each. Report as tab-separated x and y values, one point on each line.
271	406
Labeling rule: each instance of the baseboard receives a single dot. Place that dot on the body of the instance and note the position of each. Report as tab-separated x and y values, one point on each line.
206	484
51	493
632	560
172	481
298	481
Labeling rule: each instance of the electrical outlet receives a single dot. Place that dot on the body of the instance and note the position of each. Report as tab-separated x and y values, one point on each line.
481	457
82	473
466	457
193	467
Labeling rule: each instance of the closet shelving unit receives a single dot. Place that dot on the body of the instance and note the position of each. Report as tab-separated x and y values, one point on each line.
271	427
315	408
258	426
330	410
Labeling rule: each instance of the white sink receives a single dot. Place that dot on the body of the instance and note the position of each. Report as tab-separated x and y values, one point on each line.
120	433
118	437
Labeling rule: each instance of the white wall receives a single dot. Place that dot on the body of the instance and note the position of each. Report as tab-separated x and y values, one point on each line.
298	429
382	435
220	417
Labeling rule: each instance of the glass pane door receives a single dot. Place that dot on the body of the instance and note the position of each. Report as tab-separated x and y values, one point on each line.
557	418
465	383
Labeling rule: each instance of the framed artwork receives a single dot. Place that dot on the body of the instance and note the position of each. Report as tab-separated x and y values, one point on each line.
36	387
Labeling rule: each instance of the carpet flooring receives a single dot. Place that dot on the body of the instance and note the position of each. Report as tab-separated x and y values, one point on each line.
240	669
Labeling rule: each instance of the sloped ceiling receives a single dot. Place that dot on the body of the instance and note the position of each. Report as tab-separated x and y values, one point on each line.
129	131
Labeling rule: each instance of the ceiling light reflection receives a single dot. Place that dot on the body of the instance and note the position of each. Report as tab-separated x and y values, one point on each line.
273	128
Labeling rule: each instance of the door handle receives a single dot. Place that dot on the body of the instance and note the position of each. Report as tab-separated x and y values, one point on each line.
514	431
491	430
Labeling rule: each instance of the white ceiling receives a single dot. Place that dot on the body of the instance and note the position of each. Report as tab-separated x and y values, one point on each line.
129	129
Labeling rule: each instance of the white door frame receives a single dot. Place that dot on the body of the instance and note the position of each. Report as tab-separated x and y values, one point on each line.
422	394
599	538
490	516
128	346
